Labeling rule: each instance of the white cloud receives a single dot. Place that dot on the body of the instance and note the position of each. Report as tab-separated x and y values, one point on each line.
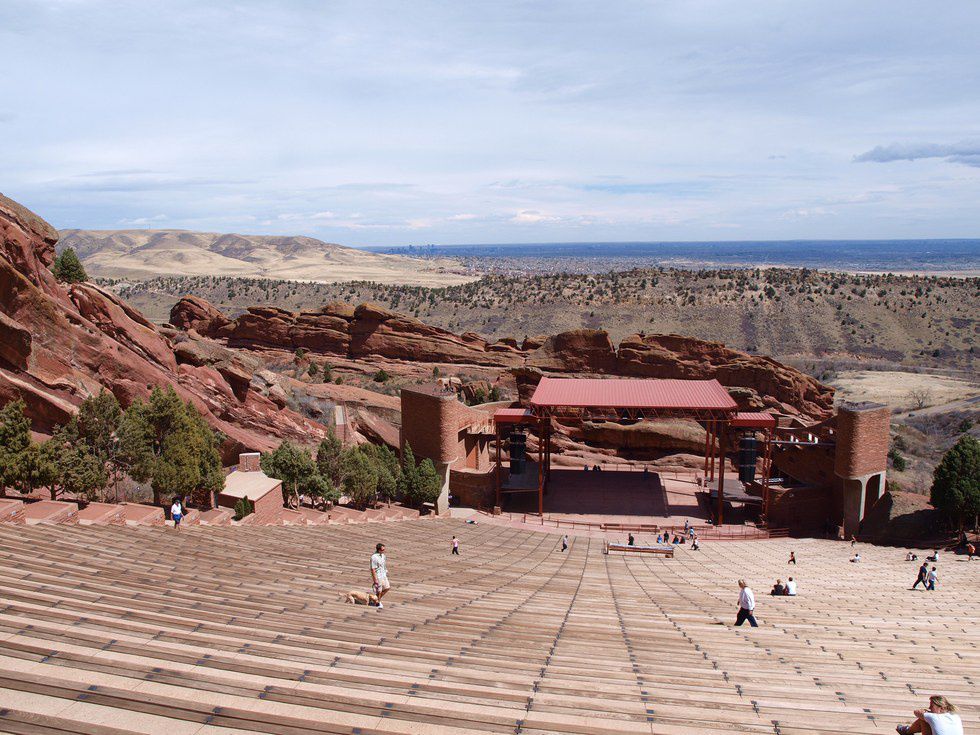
511	121
531	217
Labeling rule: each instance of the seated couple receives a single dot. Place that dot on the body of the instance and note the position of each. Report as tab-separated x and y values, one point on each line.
781	589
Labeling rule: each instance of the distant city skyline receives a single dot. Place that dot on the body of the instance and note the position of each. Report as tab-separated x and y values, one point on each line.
382	124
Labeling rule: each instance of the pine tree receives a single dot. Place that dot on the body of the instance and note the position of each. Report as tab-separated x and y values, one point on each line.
956	482
67	268
430	483
294	466
167	443
360	475
15	442
328	457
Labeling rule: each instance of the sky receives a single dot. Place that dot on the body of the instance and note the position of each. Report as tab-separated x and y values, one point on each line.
375	123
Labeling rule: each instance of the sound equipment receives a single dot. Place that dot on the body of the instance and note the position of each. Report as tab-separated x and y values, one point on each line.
518	452
746	458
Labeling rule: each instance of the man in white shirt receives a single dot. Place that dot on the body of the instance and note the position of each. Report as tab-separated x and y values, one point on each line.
790	587
746	605
379	573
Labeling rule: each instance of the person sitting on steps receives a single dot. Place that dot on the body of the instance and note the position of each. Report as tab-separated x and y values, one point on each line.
791	587
939	719
778	588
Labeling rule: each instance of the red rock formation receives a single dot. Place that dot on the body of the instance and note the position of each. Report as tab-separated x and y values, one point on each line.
197	314
61	344
370	331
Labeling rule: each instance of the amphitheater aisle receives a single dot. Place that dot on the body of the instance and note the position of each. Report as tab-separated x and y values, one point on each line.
219	630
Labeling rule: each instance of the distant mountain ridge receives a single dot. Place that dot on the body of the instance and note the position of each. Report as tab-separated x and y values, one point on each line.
142	254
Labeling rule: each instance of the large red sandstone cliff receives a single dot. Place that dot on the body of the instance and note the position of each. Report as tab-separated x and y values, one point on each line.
372	331
60	344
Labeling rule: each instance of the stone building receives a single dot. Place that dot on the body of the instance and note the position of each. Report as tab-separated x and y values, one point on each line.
248	480
454	436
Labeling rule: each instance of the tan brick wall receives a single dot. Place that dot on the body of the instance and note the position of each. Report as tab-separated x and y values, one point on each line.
862	440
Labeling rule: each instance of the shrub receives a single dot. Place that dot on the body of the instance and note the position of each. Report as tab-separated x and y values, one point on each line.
898	461
382	376
244	507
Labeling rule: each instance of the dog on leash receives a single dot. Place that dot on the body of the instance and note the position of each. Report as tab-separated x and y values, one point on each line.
355	597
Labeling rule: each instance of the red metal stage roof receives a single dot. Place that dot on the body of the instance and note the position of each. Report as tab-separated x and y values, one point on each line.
513	416
668	394
754	420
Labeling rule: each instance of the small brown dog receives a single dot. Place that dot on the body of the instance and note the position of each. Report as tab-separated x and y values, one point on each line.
354	597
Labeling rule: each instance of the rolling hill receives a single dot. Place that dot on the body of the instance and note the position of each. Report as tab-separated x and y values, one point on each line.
143	254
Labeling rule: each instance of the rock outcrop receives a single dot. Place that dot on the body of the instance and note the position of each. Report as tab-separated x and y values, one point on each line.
59	345
368	331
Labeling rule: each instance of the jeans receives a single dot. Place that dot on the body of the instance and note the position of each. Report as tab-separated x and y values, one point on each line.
456	550
922	581
744	615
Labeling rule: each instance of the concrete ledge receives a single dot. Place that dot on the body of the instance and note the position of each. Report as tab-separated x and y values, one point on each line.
101	514
50	511
135	514
217	517
10	510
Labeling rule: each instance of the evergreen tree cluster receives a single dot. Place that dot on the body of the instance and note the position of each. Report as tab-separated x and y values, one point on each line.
365	473
162	441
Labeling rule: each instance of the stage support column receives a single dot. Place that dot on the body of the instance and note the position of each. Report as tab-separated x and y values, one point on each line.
714	450
766	474
547	456
541	469
722	450
496	432
707	448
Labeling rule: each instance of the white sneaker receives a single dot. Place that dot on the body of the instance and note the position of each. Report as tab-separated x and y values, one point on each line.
380	606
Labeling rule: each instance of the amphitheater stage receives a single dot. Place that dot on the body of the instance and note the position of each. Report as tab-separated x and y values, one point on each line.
612	496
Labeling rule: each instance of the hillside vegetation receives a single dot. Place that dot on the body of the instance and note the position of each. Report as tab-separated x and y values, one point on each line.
905	320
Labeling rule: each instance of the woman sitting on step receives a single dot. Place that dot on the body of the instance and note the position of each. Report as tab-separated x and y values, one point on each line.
939	719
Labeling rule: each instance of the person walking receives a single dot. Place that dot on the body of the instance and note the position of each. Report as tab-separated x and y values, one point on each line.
970	551
564	542
792	558
939	719
746	605
379	573
176	512
931	580
455	546
923	573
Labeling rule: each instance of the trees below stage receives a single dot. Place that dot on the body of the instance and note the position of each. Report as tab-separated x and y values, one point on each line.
956	482
365	473
163	441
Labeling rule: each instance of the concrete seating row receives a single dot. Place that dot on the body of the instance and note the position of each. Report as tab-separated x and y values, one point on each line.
111	629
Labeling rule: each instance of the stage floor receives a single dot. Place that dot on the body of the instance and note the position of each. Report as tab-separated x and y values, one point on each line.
614	497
